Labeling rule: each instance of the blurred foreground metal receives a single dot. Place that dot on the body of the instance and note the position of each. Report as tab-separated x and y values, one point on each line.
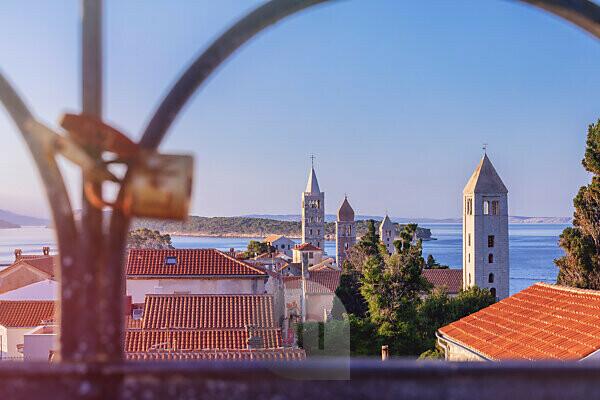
92	276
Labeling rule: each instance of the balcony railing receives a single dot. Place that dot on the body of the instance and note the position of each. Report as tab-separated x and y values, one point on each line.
92	362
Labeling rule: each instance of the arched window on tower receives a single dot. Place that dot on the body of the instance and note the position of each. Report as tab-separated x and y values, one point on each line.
495	207
469	279
486	207
490	258
493	292
491	278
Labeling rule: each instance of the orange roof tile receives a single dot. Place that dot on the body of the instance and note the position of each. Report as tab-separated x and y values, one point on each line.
187	262
318	282
220	339
451	279
45	264
306	247
541	322
207	311
281	354
25	313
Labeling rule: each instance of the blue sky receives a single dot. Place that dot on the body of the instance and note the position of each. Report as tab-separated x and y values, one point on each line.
394	97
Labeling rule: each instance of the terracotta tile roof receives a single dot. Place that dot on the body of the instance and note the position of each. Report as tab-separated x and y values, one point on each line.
45	264
318	282
207	311
451	279
306	247
187	262
25	313
541	322
282	354
220	339
274	238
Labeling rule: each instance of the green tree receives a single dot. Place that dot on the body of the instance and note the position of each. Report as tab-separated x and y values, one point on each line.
580	266
348	299
256	248
393	288
144	238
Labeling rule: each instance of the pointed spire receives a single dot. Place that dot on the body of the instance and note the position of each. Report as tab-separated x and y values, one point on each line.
312	186
485	179
345	212
386	221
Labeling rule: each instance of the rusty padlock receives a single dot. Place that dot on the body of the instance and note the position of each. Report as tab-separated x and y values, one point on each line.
159	186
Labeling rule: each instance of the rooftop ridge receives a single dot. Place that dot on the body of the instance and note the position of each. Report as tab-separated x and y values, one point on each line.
568	288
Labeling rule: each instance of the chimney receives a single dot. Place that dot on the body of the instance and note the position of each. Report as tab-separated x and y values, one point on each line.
18	254
46	250
254	341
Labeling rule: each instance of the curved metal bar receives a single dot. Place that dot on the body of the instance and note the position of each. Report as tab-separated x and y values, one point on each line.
582	13
44	158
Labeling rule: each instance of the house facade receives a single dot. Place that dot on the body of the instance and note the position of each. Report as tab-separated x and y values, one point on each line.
190	271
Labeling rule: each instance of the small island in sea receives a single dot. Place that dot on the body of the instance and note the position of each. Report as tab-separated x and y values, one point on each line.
246	227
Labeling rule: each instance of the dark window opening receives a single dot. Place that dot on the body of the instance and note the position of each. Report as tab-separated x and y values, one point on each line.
490	258
493	292
491	278
491	241
170	260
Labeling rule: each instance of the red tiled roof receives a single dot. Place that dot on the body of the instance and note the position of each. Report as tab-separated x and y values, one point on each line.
318	282
220	339
282	354
45	264
306	247
189	262
25	313
541	322
207	311
451	279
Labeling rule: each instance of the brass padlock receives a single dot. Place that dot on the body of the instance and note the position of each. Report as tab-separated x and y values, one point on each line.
159	186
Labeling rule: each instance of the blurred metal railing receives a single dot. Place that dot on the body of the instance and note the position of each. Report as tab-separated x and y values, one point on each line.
92	275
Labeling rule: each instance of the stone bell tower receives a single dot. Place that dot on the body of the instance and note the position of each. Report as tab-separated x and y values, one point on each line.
313	212
345	232
485	231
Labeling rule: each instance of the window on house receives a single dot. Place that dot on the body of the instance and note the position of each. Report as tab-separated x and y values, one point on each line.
283	246
310	232
469	207
490	240
170	260
310	255
493	292
491	278
486	207
346	246
490	258
495	207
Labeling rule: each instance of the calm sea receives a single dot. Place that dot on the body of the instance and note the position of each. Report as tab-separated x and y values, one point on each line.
532	248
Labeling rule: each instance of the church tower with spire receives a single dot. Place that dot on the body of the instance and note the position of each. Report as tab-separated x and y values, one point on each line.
387	234
345	232
313	212
485	231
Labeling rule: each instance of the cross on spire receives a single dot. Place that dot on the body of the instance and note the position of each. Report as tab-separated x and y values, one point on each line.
485	145
312	160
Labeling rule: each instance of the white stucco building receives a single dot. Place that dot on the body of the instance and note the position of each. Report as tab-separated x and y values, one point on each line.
281	243
190	271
